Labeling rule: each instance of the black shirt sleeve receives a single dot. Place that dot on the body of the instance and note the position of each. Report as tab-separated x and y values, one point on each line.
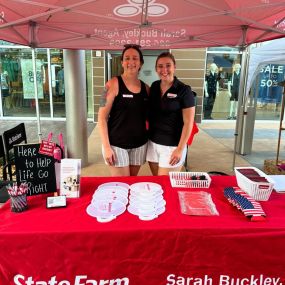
188	99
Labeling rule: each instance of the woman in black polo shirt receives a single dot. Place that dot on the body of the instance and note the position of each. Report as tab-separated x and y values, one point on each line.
122	117
171	118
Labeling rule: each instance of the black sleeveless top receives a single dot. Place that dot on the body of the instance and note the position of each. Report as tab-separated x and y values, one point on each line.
127	120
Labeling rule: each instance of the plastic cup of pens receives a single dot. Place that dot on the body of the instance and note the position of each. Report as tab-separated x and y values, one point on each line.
18	197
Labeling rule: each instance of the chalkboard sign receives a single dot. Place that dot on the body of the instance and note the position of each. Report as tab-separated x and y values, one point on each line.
36	169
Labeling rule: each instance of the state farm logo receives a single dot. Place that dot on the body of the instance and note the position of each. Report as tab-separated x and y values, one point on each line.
78	280
135	7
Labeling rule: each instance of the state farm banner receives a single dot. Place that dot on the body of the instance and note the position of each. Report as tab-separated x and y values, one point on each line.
28	78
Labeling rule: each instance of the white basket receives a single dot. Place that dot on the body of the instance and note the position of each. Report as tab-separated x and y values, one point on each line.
259	191
183	179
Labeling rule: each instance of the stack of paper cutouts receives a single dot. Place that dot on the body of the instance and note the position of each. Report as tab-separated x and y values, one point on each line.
109	201
249	207
146	200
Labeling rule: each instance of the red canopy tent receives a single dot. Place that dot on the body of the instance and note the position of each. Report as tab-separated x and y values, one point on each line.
154	24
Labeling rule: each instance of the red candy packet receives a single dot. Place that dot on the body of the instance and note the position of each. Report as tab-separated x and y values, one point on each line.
198	203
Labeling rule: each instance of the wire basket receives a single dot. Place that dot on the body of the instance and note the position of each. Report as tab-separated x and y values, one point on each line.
259	191
187	180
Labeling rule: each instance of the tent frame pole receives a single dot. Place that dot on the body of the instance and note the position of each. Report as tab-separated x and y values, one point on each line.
242	108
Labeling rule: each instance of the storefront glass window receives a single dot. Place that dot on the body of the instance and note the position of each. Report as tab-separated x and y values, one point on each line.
221	84
16	68
17	82
224	64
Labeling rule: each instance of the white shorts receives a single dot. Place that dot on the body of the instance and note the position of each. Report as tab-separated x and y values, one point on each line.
126	157
161	154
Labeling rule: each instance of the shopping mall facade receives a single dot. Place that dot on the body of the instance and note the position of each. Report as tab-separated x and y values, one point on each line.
192	67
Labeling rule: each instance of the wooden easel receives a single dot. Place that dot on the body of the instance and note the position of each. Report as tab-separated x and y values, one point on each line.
281	128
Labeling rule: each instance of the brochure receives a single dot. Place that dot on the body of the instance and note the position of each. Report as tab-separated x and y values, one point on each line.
70	171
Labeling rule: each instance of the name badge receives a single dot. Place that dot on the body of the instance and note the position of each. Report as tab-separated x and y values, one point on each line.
128	96
171	95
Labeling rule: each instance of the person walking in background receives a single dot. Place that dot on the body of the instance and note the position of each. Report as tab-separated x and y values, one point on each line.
122	117
171	118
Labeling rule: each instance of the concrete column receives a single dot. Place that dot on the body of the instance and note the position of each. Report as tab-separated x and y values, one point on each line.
75	102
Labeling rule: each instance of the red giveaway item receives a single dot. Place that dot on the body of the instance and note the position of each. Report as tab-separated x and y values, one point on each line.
195	130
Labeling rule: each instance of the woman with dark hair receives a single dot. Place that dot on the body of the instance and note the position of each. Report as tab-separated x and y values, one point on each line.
122	117
171	118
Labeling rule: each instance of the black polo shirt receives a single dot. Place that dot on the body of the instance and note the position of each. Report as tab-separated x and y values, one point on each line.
165	112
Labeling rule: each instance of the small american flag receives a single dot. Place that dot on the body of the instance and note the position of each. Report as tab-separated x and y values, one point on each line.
240	199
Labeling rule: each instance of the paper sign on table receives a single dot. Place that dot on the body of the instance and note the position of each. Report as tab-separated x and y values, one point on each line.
70	177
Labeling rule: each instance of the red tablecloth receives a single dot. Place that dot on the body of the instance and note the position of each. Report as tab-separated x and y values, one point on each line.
60	245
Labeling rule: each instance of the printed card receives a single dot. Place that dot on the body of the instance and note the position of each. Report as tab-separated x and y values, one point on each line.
70	172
